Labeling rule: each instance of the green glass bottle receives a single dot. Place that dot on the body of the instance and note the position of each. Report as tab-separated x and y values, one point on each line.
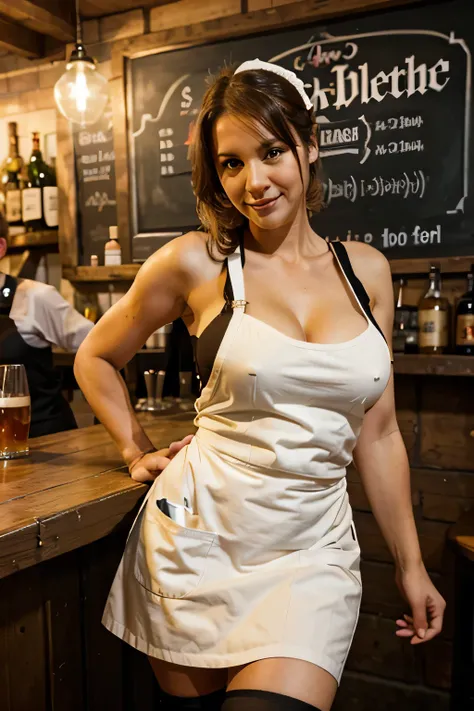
12	183
465	318
40	194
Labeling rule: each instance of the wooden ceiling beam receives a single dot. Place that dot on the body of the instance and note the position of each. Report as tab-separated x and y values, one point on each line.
21	40
48	17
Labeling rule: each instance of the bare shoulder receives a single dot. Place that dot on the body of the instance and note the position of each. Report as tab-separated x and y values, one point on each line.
185	258
193	252
371	267
181	251
367	258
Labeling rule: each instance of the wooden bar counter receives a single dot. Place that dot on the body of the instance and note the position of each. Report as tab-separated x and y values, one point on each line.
65	512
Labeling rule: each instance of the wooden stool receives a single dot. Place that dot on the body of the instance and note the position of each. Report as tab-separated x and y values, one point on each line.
461	537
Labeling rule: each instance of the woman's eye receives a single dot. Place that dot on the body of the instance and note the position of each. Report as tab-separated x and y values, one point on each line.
274	153
231	163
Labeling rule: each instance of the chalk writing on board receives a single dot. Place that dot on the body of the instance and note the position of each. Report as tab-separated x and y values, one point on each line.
100	201
344	79
377	186
416	236
148	118
393	111
95	171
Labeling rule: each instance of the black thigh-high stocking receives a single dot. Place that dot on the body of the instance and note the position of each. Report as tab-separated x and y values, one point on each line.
256	700
208	702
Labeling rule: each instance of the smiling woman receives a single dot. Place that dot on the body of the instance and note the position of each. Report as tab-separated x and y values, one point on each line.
253	126
263	168
240	578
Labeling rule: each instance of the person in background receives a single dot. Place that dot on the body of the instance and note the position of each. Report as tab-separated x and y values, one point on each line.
33	317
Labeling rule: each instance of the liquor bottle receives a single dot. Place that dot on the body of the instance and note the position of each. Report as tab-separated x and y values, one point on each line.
40	195
465	318
12	183
433	317
405	330
112	251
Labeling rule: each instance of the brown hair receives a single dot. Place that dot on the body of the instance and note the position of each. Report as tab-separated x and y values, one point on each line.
255	96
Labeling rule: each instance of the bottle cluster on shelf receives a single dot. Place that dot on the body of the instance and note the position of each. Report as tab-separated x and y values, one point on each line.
429	327
29	189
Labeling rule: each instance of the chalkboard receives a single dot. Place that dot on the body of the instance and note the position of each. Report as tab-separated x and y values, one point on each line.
95	175
393	98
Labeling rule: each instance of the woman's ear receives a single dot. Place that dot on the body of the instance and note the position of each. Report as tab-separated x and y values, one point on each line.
313	152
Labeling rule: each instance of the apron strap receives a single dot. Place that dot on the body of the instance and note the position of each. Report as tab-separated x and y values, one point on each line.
340	252
236	276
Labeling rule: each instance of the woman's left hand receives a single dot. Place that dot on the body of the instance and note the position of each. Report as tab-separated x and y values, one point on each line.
427	606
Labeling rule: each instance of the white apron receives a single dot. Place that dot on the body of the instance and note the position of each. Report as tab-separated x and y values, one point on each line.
266	561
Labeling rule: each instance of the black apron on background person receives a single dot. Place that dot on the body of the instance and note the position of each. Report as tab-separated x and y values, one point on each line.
49	410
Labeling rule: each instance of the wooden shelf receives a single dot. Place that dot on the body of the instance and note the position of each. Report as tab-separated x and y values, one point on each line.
122	272
62	358
447	265
404	364
151	351
27	240
128	272
421	364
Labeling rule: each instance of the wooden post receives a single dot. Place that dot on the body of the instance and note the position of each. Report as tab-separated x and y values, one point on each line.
123	196
67	194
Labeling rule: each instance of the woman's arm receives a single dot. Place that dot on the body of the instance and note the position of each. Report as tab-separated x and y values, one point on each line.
157	296
381	459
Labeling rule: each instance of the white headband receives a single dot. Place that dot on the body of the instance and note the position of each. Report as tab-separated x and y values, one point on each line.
276	69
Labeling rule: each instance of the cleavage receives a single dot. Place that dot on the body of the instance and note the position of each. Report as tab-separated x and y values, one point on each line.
324	319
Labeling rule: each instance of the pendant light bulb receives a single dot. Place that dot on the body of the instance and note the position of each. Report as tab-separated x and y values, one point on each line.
81	93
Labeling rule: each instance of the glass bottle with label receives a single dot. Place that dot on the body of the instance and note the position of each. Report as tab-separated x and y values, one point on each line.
465	318
405	328
12	183
112	250
433	317
40	196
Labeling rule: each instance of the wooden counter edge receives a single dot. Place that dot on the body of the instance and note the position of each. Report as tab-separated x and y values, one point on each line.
70	529
461	535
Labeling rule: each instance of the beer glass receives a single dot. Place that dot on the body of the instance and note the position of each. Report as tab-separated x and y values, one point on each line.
15	412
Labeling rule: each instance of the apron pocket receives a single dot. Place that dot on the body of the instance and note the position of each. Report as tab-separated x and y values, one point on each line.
345	554
170	559
351	571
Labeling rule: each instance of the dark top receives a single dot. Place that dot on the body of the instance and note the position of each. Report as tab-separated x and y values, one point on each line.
207	345
49	410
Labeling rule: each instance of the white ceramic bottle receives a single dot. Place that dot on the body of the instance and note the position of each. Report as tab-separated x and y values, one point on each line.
112	252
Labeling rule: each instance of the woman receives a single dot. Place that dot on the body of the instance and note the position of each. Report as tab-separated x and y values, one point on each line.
242	569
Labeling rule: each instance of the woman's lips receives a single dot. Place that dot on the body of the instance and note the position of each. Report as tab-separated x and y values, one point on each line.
266	205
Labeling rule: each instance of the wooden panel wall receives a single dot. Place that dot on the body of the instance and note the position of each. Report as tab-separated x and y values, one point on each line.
54	653
436	416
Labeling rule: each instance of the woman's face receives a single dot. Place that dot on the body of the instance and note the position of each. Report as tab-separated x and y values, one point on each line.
259	173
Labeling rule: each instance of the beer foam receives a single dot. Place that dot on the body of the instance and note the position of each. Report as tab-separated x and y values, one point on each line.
7	402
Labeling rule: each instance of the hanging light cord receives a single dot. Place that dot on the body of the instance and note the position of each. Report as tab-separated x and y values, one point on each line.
78	25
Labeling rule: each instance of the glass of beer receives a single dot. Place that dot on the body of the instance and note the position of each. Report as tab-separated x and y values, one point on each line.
15	412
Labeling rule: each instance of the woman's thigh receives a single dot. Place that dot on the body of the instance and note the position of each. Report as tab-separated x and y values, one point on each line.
291	677
187	681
